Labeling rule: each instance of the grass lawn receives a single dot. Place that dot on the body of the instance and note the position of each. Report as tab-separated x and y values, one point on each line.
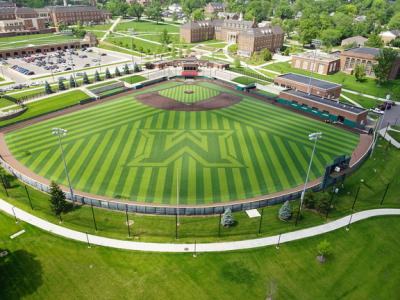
247	80
395	135
369	86
37	39
47	105
112	47
250	73
362	266
157	37
363	101
221	155
5	102
133	79
145	26
140	45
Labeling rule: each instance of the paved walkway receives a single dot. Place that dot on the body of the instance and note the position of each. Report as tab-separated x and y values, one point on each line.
385	133
111	29
180	248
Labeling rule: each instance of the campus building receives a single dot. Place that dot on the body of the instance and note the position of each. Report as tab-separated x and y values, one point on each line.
312	86
357	41
70	15
20	20
246	34
388	36
367	57
317	62
89	40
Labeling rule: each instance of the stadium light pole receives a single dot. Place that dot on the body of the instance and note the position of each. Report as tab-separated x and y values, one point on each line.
60	132
312	137
177	197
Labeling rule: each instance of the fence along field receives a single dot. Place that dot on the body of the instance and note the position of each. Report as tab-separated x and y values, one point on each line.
128	150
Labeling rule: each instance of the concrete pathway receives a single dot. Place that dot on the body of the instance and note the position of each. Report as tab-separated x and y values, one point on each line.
385	133
351	101
181	248
111	29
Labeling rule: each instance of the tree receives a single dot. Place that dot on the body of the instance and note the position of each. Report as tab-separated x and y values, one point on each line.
72	82
188	6
154	11
97	76
58	204
198	15
136	68
385	59
359	72
78	31
375	41
236	63
126	69
285	212
330	37
135	10
227	218
265	54
394	22
233	49
108	74
396	42
324	249
117	73
165	38
61	86
47	88
117	7
309	29
85	78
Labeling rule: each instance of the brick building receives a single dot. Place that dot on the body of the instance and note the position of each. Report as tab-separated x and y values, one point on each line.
367	57
246	34
305	84
69	15
20	20
317	62
89	40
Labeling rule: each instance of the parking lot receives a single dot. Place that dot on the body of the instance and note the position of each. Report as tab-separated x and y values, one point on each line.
58	62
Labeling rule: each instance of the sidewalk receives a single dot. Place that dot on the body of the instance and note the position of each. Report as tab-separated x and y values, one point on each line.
385	133
181	248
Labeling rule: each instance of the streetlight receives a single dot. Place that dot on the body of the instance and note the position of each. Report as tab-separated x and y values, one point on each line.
312	137
60	132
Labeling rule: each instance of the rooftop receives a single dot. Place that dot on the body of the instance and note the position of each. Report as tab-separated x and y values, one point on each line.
306	80
318	56
332	103
364	50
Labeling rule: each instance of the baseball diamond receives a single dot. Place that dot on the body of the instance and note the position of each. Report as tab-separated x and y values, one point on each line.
129	149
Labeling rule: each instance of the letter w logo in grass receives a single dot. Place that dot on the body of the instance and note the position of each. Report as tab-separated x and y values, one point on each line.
211	148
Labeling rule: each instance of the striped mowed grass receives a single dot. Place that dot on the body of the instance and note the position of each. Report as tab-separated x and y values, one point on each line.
128	150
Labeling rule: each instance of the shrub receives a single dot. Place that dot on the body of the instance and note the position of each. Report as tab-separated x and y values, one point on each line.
108	74
233	48
285	212
85	79
227	218
117	72
61	85
324	250
47	88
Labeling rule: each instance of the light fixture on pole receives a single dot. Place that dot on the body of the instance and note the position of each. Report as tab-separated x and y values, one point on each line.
312	137
60	132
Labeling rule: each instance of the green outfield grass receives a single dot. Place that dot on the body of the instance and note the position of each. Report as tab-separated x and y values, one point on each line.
129	150
179	93
52	103
363	265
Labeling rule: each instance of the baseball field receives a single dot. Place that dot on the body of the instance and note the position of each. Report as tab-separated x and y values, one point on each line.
127	149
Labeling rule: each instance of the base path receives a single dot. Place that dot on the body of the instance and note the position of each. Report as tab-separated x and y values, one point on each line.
181	248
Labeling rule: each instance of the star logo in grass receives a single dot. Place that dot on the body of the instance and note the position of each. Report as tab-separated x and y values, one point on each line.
210	148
